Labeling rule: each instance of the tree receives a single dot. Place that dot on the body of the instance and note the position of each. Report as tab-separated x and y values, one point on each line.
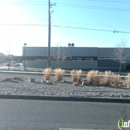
2	58
59	54
8	54
121	53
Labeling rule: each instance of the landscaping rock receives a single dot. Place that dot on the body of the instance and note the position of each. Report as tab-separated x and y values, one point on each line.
63	81
31	80
18	78
48	82
84	83
51	88
75	84
5	79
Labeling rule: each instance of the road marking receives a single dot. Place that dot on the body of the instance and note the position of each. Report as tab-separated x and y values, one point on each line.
79	129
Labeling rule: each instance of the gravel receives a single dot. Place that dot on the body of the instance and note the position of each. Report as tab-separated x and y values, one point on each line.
18	84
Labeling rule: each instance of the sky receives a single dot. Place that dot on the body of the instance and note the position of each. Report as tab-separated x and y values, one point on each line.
86	23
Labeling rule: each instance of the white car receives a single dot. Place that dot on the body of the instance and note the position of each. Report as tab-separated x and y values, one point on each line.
13	63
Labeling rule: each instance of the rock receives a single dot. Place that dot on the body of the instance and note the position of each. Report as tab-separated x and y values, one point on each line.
84	83
75	84
31	80
18	78
122	85
48	82
42	81
63	81
5	79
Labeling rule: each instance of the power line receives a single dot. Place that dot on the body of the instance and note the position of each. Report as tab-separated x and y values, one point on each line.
25	3
23	25
40	24
92	7
92	24
92	29
71	5
41	2
112	1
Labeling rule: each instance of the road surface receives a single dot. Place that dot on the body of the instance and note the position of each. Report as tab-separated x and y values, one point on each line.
57	115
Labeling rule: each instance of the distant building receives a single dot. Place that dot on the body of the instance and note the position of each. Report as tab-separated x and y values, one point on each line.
2	58
85	58
2	54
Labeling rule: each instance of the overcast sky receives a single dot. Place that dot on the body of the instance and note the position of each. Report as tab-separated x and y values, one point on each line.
86	23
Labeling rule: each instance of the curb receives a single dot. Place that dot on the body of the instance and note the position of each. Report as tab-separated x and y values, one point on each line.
37	73
22	72
27	72
75	99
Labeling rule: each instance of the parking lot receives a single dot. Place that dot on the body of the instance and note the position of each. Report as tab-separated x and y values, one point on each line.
18	68
4	66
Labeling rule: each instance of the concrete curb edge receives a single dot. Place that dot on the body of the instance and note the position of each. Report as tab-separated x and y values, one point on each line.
81	99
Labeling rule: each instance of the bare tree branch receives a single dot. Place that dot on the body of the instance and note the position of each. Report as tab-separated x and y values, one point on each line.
121	53
59	54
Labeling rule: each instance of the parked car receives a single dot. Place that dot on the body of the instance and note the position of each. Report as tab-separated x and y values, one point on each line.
13	63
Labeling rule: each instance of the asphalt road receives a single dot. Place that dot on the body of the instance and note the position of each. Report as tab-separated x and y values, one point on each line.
56	115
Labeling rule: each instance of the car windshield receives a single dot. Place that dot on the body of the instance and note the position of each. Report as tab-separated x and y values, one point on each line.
64	64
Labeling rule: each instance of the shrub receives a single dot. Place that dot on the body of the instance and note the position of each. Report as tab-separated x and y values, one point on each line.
93	77
90	76
116	80
76	75
96	79
47	73
128	80
107	78
59	74
73	76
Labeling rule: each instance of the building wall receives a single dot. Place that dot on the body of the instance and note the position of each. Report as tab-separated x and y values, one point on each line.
109	63
71	51
79	57
63	64
35	51
111	52
107	58
106	52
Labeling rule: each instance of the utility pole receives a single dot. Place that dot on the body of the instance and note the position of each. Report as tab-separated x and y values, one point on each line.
49	29
49	32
